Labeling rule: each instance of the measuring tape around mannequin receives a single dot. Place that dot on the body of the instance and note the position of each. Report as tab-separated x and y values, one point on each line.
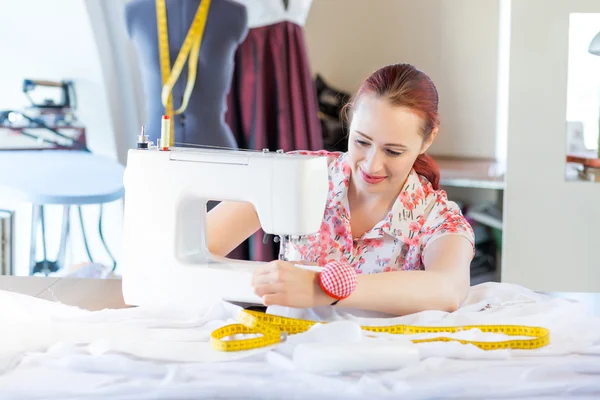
190	50
273	329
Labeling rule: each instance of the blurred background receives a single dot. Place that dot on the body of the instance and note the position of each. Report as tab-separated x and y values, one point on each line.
519	85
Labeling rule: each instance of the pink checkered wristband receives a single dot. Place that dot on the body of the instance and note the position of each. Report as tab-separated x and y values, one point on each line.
338	280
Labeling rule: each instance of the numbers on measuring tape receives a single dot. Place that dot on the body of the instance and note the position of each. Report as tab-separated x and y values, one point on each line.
271	327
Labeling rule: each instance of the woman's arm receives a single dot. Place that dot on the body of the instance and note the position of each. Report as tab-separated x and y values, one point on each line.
229	224
443	285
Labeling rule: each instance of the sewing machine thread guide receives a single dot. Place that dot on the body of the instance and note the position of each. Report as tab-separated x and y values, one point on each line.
142	142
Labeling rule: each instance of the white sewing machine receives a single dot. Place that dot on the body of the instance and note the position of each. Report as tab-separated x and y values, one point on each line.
165	258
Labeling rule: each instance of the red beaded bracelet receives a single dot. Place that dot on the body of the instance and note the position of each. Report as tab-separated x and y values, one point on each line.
338	280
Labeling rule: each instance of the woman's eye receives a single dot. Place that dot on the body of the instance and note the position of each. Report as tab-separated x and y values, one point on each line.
362	142
393	153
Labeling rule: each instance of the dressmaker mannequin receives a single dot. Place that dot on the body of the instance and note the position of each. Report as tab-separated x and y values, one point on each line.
203	122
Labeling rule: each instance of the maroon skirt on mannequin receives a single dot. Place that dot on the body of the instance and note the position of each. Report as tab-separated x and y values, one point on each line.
272	105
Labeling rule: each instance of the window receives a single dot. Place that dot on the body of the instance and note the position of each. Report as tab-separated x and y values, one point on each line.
583	85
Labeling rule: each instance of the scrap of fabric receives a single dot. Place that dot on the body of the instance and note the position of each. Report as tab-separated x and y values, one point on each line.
53	351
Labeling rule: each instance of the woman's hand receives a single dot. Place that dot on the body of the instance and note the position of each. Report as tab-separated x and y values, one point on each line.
281	283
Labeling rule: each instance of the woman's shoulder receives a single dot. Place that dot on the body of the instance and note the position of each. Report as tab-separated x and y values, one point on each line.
332	156
444	216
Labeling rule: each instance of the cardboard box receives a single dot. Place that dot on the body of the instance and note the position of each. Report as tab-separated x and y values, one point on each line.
89	294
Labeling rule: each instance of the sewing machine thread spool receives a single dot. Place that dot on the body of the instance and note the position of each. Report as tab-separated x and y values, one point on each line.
165	133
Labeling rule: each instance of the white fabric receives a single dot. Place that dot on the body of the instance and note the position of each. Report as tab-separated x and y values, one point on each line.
53	351
268	12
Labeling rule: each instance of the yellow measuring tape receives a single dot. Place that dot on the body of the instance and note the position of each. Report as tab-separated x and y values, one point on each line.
272	329
190	51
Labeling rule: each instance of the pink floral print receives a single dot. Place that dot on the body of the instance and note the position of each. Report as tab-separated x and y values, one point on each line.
418	217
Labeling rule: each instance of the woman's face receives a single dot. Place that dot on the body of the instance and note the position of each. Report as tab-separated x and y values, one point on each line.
384	142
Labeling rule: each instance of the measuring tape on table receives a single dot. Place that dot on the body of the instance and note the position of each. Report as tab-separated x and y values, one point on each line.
273	329
190	50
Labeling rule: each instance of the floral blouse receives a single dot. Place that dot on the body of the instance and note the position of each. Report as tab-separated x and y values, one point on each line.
418	217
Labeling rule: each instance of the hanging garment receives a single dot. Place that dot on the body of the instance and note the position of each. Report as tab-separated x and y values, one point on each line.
272	103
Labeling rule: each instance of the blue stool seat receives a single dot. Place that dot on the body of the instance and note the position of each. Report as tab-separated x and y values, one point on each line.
64	177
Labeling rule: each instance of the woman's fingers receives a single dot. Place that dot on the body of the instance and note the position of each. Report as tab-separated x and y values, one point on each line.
271	272
267	289
279	299
303	262
281	283
263	269
262	274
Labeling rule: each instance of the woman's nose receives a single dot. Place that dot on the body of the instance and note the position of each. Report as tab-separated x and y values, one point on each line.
374	161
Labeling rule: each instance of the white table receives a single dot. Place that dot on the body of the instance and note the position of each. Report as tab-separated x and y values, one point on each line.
65	177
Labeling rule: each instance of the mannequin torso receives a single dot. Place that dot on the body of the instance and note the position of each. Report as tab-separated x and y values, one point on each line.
203	122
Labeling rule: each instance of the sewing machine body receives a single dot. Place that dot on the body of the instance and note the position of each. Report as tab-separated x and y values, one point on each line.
165	257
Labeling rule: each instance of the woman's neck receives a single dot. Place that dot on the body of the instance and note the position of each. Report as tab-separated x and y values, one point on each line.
372	201
367	209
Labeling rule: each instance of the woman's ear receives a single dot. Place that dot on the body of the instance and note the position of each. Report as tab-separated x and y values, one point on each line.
429	141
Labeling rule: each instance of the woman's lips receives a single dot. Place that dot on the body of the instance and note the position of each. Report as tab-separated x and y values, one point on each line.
371	179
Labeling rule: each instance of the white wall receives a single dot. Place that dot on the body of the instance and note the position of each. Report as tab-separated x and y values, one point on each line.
551	226
35	45
120	72
56	40
455	42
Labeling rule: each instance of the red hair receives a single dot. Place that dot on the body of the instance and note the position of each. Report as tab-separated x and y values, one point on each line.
405	85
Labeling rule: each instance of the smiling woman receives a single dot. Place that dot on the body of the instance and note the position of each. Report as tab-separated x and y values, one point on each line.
390	240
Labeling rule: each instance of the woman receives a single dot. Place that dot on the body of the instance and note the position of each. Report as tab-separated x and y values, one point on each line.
390	240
